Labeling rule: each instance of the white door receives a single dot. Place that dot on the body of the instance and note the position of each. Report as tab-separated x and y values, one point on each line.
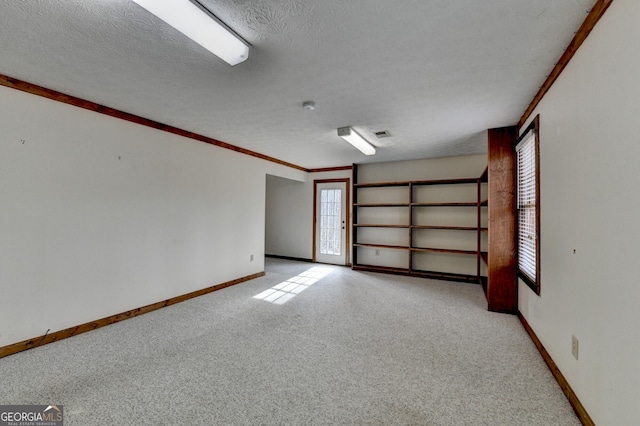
331	226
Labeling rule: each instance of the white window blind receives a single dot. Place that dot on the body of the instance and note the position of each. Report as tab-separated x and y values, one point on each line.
527	194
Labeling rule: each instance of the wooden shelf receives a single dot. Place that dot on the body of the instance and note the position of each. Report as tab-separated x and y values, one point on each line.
443	250
485	257
380	184
385	269
381	205
370	225
383	246
453	228
448	276
467	204
444	182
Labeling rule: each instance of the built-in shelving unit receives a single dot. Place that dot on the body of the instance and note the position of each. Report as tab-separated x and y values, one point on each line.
400	227
431	229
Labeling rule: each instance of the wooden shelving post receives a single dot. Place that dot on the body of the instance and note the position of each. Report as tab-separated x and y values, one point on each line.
502	289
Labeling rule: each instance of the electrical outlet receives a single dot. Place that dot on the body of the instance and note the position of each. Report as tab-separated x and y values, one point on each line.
574	346
377	252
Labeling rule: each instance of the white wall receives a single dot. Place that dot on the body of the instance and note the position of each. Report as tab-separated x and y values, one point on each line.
289	214
466	166
100	215
590	203
288	218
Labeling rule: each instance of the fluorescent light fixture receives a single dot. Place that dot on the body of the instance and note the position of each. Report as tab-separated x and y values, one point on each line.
200	26
351	136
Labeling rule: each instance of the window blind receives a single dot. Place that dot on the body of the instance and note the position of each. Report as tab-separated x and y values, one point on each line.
526	200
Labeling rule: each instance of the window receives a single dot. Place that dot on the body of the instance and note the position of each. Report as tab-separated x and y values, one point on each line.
528	205
331	224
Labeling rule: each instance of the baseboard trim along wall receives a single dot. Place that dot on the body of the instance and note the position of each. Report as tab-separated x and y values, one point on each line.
581	412
79	329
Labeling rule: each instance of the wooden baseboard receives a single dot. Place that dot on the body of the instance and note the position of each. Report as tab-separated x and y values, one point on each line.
299	259
579	409
83	328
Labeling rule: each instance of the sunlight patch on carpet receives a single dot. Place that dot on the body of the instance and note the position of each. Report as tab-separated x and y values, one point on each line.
287	290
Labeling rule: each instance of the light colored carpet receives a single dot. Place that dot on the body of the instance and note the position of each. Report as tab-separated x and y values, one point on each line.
353	348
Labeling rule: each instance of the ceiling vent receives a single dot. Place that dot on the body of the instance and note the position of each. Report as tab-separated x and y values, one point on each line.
383	134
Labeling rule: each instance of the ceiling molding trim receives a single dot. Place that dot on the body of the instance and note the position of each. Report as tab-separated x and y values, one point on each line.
34	89
330	169
583	32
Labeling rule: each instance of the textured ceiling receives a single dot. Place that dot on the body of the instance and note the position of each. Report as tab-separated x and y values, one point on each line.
435	73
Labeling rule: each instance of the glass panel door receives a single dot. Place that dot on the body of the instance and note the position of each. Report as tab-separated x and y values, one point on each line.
330	230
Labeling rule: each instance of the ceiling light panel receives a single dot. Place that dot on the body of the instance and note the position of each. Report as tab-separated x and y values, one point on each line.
354	138
201	27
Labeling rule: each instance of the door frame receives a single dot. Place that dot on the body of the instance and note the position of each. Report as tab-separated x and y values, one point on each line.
347	216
